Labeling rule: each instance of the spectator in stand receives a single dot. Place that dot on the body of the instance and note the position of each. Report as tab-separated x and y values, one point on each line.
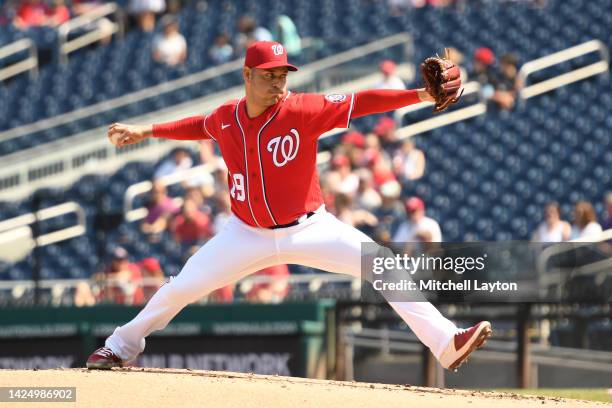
223	213
409	162
121	281
205	179
83	295
161	208
329	197
585	221
341	179
398	8
607	223
275	289
152	277
145	11
196	195
84	6
377	160
248	33
222	50
373	150
208	155
346	212
390	80
31	13
507	83
104	25
180	160
354	144
367	197
191	226
385	130
286	33
170	47
424	236
58	13
417	223
220	179
222	295
482	71
389	212
432	3
553	229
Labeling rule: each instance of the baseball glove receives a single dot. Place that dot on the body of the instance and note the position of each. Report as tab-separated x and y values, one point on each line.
442	81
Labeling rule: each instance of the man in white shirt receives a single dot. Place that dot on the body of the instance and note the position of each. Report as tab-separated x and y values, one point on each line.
390	78
170	48
417	223
179	161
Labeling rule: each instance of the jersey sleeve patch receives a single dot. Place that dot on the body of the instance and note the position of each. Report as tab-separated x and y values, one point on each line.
335	97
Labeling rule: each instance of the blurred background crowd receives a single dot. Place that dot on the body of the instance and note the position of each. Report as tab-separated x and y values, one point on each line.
373	178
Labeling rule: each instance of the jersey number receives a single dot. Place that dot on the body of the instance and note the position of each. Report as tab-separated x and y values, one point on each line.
237	191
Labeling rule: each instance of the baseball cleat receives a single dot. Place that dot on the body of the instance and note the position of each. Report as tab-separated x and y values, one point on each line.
463	344
104	359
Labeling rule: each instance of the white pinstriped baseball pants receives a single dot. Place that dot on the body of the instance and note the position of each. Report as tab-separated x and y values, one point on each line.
322	241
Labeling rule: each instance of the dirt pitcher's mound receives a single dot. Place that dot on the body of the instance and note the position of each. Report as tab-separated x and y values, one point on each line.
140	387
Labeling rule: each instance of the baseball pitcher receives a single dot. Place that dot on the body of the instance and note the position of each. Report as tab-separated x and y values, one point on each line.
268	140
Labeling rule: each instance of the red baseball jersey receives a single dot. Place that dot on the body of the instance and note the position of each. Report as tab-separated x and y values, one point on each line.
272	158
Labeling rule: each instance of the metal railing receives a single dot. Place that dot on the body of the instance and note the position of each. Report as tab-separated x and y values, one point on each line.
121	101
558	276
307	284
104	28
443	119
53	160
28	64
19	228
539	64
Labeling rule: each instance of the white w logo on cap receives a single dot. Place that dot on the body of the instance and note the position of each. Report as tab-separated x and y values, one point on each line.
278	49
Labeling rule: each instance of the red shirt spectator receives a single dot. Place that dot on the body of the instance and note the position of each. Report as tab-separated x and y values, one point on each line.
151	271
191	225
273	291
121	282
31	13
223	295
58	13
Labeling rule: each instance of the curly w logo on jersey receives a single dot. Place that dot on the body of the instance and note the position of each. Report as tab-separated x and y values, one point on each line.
284	146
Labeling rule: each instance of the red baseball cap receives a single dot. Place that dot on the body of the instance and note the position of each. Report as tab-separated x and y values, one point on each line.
384	125
413	204
387	67
267	54
150	264
355	138
484	55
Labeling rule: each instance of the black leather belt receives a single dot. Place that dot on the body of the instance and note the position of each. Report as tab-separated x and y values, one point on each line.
292	224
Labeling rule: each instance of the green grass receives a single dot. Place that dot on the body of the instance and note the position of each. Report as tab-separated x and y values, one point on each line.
589	394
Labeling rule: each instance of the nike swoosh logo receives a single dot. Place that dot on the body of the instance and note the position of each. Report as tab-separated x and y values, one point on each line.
223	126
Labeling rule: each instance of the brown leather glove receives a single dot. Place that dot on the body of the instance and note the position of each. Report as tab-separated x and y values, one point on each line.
442	81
